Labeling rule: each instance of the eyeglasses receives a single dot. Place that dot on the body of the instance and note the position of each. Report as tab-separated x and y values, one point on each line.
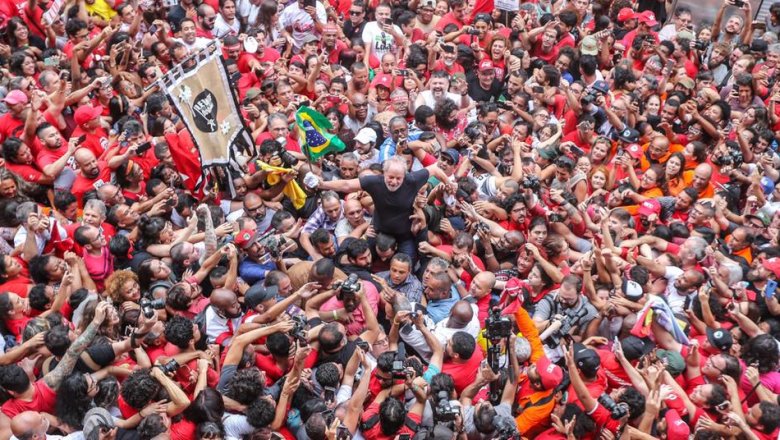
353	13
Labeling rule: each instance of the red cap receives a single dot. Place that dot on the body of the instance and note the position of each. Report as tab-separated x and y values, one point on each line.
649	207
486	65
648	18
245	238
383	80
634	150
626	14
772	265
676	429
86	113
550	373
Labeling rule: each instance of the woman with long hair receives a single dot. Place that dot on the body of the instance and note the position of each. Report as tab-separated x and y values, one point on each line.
674	169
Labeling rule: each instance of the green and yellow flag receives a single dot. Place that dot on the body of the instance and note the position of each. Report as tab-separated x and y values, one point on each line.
312	132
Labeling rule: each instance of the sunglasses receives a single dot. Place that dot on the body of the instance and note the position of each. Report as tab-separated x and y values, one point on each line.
353	13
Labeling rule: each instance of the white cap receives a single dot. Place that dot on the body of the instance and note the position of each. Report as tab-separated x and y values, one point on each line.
250	45
366	136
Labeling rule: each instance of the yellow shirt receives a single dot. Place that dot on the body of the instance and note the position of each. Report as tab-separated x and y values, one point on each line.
101	9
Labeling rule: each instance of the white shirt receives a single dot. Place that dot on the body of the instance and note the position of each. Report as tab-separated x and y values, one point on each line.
200	43
426	98
667	32
222	27
381	42
216	325
247	10
301	22
236	426
443	333
40	239
675	300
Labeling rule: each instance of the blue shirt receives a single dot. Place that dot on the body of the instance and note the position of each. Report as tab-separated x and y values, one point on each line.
252	272
439	309
387	149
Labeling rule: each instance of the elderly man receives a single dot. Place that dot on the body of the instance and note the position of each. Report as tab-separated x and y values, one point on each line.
393	194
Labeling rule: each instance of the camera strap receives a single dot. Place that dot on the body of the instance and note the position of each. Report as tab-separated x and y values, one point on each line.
370	423
411	424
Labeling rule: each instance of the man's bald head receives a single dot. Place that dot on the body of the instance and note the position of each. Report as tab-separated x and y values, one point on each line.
252	199
28	424
352	204
482	284
222	298
701	176
87	162
460	315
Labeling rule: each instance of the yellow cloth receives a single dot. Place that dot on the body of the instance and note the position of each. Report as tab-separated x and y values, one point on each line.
292	190
101	9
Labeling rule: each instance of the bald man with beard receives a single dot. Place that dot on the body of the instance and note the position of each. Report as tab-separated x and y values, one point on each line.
223	317
93	173
463	317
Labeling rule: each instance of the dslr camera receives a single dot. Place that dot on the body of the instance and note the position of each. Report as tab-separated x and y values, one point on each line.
148	306
531	182
443	411
348	287
399	370
617	410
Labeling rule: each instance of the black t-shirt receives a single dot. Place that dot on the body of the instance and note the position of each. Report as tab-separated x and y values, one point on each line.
477	93
393	208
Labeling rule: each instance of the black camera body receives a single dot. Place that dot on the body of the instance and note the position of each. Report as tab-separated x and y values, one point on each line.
170	367
472	32
349	287
555	218
617	410
588	99
148	306
496	326
700	45
531	182
399	370
443	411
472	132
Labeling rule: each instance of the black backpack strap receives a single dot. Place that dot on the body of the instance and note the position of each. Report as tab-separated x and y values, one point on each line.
370	423
411	424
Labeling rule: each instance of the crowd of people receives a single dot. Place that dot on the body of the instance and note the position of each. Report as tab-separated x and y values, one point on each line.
555	219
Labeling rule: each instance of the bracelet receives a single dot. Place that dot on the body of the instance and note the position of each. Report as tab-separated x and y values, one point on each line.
335	316
489	255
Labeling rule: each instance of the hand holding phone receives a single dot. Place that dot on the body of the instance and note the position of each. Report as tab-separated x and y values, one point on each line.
770	289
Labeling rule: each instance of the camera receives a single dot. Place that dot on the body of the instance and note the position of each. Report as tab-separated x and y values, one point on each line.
148	306
497	326
699	45
399	370
473	132
588	99
363	345
348	287
733	156
531	182
443	411
299	329
739	3
287	158
555	218
570	319
170	367
472	32
617	410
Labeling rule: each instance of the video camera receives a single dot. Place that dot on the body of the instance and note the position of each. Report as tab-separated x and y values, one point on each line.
496	326
399	370
531	182
559	329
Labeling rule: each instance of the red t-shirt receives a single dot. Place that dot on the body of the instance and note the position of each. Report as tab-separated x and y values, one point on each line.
97	141
449	18
42	401
267	364
27	172
375	432
463	374
10	126
83	184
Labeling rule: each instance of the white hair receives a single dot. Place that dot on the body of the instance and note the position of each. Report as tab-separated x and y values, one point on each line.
400	161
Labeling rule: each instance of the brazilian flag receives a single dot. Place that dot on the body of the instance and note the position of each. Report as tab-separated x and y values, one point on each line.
316	141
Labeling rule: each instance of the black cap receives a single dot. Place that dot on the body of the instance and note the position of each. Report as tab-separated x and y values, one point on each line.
587	360
720	339
629	135
759	45
601	86
634	348
258	294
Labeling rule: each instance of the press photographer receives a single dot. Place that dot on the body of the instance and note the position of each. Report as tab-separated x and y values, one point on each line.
563	312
